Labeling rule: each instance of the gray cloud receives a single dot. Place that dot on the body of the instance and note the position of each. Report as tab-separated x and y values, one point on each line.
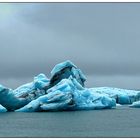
100	38
119	81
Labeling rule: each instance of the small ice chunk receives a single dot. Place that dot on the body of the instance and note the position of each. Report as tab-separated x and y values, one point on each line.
9	100
2	109
135	104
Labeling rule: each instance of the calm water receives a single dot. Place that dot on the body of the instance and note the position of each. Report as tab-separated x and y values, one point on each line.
120	122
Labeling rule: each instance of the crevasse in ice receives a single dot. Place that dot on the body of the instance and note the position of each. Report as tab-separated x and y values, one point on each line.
65	90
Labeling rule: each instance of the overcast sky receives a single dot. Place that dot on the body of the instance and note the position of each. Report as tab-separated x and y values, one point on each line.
102	39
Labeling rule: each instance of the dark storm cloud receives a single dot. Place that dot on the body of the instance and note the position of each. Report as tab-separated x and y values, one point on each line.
100	38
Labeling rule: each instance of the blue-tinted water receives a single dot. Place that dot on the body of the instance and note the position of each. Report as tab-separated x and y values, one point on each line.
120	122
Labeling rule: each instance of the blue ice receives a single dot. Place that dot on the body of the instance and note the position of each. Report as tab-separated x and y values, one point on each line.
65	90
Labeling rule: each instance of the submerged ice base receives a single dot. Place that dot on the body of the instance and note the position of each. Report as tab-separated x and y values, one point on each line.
65	90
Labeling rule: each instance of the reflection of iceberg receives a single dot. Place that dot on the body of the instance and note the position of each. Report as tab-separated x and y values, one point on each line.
63	91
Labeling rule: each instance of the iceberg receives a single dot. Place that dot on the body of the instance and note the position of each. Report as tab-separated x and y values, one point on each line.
122	96
65	90
135	104
14	99
68	95
9	100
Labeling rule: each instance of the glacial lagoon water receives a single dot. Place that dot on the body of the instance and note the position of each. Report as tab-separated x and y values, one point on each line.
120	122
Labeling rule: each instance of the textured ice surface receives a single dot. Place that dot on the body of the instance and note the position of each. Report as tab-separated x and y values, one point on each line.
135	104
2	109
9	100
68	94
122	96
64	91
65	70
14	99
61	66
40	81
